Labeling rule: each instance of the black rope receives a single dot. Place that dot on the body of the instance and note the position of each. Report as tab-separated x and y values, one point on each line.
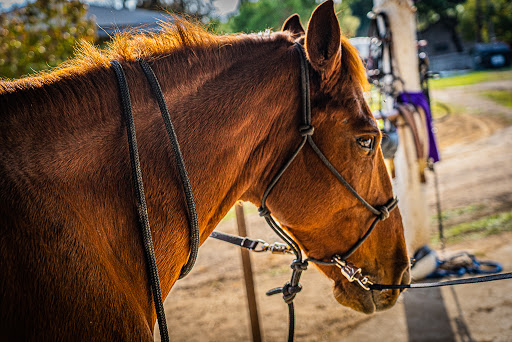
284	236
263	210
384	214
291	323
142	211
289	291
340	178
306	130
440	227
445	283
185	181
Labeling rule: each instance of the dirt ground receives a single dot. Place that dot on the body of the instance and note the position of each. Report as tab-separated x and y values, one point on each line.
210	303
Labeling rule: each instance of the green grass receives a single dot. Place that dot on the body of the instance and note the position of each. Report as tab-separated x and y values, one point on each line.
452	213
503	97
485	226
470	78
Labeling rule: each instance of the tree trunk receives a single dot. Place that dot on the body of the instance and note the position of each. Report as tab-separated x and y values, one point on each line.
479	18
452	24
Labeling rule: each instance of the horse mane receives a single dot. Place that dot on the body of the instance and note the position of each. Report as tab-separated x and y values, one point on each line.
125	46
174	34
353	63
177	33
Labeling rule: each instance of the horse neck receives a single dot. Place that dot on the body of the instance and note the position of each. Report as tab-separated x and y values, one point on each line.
235	111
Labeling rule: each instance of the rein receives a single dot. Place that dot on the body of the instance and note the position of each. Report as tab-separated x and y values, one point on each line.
139	186
291	288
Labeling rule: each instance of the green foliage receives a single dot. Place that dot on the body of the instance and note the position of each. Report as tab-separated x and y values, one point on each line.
431	11
498	13
257	16
41	35
249	209
450	214
360	9
444	11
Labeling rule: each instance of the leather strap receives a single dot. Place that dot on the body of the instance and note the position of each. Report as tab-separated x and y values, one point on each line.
244	242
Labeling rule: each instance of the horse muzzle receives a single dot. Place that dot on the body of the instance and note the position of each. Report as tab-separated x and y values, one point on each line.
354	291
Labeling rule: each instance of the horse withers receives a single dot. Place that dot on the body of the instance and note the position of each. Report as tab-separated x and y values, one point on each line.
71	255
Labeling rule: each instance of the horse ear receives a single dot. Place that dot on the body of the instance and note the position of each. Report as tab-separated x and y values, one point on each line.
293	25
323	38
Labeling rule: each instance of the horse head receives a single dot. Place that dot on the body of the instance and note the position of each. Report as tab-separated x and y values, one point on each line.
311	204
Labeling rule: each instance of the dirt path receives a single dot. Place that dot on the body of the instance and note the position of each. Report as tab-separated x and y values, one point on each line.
210	304
469	98
475	116
476	154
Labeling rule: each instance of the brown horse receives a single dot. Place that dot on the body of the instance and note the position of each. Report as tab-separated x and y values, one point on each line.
71	259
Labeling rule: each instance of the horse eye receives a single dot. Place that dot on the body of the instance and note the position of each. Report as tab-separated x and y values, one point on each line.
365	143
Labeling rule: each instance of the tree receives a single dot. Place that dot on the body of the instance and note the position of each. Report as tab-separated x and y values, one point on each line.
445	11
495	20
257	16
41	35
360	9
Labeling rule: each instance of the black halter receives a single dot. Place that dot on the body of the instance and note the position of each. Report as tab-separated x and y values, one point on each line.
306	130
352	273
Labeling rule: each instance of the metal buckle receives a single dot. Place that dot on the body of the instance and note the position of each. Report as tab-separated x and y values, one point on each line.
364	283
264	246
275	248
280	248
352	273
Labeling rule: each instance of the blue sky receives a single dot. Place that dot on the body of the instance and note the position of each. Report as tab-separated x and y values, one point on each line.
223	6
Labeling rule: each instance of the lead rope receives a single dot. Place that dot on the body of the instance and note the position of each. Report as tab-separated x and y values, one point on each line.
142	210
185	181
139	186
291	288
440	226
472	280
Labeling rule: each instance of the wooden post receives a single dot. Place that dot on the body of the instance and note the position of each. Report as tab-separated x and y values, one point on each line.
407	183
249	281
